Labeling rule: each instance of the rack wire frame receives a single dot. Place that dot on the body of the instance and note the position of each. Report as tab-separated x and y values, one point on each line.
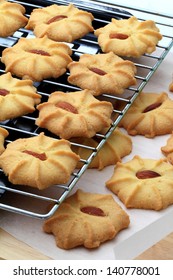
25	125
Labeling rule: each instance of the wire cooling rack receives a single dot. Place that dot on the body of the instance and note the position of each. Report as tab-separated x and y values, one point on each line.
34	203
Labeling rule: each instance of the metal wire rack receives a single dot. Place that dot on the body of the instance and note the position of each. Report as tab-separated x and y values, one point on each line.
34	203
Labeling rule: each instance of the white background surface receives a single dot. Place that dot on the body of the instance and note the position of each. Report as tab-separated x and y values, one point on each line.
146	227
151	5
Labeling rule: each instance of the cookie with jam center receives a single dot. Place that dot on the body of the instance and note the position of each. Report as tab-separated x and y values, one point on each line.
86	219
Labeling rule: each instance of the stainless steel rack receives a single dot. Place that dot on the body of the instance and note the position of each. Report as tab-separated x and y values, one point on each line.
34	203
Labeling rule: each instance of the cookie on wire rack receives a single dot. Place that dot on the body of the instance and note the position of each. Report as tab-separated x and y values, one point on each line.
129	37
17	97
102	73
74	114
37	58
39	161
60	23
12	18
3	134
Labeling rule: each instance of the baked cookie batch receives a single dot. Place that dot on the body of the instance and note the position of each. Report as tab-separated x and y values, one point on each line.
83	219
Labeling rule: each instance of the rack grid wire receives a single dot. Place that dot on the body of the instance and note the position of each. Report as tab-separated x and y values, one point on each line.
32	202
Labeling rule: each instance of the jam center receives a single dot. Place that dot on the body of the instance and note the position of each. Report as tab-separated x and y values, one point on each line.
147	174
41	156
94	211
152	107
56	18
67	106
4	92
40	52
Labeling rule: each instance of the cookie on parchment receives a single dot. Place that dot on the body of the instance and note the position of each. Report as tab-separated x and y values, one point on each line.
86	219
117	146
143	183
167	150
150	115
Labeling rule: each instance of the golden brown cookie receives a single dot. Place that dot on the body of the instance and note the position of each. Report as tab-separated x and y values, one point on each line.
171	87
86	219
150	115
38	161
37	58
74	114
167	150
143	183
102	73
12	18
3	134
60	23
17	97
117	146
129	37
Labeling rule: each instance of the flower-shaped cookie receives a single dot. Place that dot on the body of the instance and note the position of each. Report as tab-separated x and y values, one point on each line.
87	219
60	23
12	18
38	161
74	114
37	58
117	146
143	183
17	97
150	115
129	37
167	150
102	73
3	134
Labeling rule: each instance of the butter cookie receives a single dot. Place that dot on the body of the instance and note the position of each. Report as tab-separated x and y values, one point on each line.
17	97
86	219
143	183
102	73
74	114
150	115
38	161
37	58
60	23
129	37
12	18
